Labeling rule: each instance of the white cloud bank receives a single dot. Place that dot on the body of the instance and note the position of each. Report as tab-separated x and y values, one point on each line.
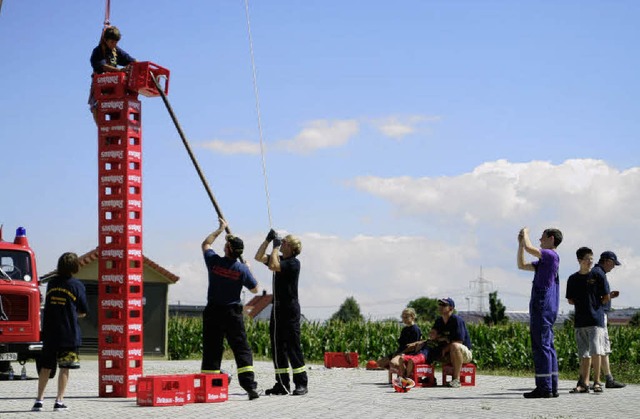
477	216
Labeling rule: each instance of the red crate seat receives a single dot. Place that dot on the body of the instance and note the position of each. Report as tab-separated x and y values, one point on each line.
162	390
467	374
341	359
424	375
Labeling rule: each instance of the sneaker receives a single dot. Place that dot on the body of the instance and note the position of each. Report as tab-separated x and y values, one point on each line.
614	384
538	394
253	394
58	406
277	390
37	406
454	383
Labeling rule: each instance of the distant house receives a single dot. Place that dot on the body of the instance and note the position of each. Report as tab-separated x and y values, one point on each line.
156	281
259	307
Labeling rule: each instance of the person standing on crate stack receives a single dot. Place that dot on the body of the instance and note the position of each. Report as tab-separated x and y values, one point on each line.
223	315
105	58
284	325
65	302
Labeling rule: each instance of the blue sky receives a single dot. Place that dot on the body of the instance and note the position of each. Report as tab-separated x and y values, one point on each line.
406	142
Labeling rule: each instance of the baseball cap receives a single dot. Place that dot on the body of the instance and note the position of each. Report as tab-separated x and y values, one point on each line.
448	301
610	255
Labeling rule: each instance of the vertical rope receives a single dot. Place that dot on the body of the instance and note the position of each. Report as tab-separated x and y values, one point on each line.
255	91
107	14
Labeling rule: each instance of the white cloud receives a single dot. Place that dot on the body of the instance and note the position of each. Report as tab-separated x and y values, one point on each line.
321	134
398	127
232	147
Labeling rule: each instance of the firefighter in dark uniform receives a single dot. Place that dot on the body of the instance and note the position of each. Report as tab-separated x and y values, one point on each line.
223	315
284	326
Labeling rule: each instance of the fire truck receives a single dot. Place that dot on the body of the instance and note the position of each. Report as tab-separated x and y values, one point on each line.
20	301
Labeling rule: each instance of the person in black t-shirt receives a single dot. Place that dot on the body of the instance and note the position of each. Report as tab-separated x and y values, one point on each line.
65	302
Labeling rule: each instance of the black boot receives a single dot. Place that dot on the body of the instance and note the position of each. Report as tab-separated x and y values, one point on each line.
300	390
277	390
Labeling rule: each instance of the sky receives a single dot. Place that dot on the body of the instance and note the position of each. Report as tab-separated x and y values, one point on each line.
406	143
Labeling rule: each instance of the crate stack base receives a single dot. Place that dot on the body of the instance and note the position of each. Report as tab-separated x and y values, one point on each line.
120	289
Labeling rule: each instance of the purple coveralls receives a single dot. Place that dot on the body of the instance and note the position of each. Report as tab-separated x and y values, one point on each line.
543	311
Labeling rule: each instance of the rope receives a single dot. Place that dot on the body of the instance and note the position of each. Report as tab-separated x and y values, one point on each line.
255	91
107	14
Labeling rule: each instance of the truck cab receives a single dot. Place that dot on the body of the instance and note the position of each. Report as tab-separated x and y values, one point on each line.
20	301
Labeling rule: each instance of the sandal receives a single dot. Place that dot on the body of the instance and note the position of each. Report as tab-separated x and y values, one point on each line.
597	387
581	388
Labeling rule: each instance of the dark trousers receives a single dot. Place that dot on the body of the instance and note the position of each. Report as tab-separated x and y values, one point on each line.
284	329
543	311
221	322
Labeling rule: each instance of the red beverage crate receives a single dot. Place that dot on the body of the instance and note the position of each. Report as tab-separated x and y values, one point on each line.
211	388
161	390
423	375
341	359
140	78
109	85
467	374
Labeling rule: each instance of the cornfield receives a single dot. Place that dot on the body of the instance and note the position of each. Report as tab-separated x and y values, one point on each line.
504	347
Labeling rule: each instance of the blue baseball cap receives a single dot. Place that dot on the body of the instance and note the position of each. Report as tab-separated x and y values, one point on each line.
448	301
610	255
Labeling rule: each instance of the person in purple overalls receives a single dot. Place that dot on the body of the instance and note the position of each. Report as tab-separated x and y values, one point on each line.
543	307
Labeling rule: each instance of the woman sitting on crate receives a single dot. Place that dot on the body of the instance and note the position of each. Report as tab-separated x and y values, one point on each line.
105	58
410	333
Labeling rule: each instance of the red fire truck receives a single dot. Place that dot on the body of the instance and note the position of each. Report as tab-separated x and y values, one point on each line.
20	300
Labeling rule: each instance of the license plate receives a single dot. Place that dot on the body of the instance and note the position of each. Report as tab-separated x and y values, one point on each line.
9	356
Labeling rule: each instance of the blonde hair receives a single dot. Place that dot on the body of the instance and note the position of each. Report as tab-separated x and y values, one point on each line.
410	311
295	243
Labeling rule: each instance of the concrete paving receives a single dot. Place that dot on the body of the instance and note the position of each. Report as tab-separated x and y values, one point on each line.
333	393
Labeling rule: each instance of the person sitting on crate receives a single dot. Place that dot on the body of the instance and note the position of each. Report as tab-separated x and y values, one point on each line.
105	58
409	333
451	331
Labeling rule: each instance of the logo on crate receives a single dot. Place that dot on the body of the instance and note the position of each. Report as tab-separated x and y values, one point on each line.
134	178
164	400
468	370
117	154
134	377
112	179
135	105
116	328
135	227
135	252
135	303
113	229
135	203
135	154
118	128
107	79
425	370
216	396
114	353
117	279
135	277
112	105
112	253
112	303
112	378
135	327
112	203
135	352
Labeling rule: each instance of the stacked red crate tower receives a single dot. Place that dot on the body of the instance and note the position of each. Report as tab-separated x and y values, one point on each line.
120	233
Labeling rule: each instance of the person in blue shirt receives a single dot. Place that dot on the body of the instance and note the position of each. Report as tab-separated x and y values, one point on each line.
588	293
65	303
107	57
222	317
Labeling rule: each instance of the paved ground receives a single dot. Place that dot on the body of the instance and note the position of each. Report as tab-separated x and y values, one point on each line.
334	393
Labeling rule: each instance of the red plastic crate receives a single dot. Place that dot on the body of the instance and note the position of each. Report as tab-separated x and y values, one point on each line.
341	359
467	374
210	388
162	390
140	78
424	375
110	85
